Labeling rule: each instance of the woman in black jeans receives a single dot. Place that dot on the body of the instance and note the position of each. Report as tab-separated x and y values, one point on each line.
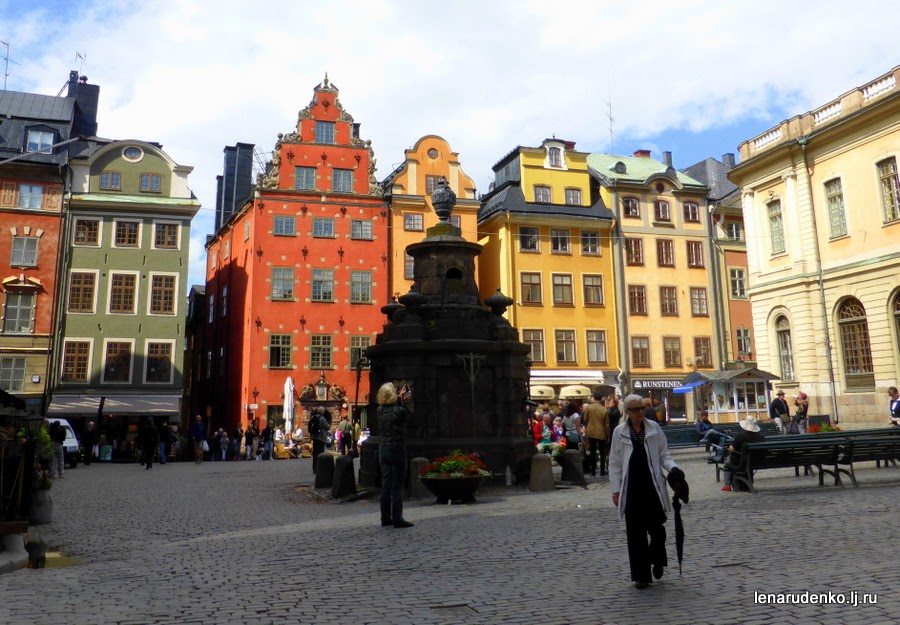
392	455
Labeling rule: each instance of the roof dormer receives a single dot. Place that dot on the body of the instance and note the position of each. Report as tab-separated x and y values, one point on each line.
555	153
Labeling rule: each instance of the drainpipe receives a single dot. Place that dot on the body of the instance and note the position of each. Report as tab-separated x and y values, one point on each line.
621	302
802	142
718	296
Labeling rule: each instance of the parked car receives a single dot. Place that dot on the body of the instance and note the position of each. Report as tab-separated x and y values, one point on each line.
70	446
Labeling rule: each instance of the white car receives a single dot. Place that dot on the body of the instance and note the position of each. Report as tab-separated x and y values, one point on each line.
70	445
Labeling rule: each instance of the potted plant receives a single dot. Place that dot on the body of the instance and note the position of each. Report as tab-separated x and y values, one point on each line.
41	503
454	477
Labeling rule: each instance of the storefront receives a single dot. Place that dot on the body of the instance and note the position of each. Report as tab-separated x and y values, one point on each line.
731	395
551	384
671	406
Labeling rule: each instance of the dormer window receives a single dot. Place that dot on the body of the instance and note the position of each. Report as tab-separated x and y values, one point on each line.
39	141
555	157
325	132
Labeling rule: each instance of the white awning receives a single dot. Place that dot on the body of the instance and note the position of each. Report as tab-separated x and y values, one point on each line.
576	391
63	405
587	377
542	392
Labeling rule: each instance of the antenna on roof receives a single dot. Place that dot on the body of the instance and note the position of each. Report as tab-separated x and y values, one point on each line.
609	115
6	61
80	56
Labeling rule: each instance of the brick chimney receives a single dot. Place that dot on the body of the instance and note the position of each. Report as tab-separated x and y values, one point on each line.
87	100
667	158
728	159
642	153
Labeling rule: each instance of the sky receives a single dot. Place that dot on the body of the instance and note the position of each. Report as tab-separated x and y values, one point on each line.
695	77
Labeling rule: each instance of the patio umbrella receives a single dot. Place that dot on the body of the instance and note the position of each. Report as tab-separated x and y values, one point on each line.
288	410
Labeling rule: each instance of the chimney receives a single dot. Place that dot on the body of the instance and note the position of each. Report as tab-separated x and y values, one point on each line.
642	153
235	186
728	159
87	99
667	158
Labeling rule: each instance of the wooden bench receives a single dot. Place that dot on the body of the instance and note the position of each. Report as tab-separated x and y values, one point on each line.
780	454
682	435
869	449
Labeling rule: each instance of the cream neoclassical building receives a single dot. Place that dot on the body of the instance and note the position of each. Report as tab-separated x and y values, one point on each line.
821	202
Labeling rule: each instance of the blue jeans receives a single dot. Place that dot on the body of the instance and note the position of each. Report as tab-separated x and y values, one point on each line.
267	450
162	453
392	459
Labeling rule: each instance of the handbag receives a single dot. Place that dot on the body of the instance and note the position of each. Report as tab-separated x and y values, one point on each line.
204	446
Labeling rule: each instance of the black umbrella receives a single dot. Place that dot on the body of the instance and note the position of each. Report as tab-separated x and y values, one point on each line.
682	492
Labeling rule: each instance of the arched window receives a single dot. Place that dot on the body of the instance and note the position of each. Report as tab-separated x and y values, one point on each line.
785	347
855	345
897	319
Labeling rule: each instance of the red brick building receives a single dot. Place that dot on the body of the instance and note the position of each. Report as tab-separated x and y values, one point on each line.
296	272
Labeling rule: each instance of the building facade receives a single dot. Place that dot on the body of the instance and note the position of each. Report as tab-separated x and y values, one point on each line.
821	203
661	246
297	276
546	240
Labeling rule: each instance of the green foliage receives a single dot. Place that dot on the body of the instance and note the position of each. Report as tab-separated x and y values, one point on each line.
44	448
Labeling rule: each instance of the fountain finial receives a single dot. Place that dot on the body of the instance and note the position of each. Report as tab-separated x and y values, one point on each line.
443	199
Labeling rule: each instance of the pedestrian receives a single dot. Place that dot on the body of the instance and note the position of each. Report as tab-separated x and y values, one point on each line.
149	441
392	418
894	405
198	436
57	439
778	411
801	401
224	445
165	441
237	438
649	411
638	455
597	429
89	441
319	431
266	438
346	430
249	435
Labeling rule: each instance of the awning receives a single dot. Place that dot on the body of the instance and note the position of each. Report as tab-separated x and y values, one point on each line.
63	405
542	392
590	377
687	388
574	392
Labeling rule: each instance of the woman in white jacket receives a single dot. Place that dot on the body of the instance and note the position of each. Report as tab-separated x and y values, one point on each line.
637	457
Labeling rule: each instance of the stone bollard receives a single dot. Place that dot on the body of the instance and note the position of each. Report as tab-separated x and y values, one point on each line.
572	468
541	474
417	489
344	482
325	469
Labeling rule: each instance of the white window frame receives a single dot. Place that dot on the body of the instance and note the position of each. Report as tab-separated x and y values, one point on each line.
540	333
167	222
31	311
535	236
93	310
24	240
12	387
538	199
44	140
171	379
175	299
99	222
140	234
413	222
90	360
34	190
103	379
317	221
137	290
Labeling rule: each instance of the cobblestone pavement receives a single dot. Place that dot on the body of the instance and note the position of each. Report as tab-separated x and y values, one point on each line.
235	543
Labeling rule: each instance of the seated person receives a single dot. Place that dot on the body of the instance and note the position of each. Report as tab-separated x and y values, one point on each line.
545	437
749	434
708	434
297	436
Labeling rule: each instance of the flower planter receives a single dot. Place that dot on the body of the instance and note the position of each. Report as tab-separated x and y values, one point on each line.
41	507
452	489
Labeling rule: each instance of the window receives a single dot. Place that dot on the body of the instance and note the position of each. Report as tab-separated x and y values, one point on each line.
834	196
358	345
634	251
121	292
24	252
593	290
81	292
30	196
590	243
631	207
76	355
322	285
542	194
226	250
661	211
672	351
455	221
412	221
785	347
665	253
640	351
320	351
573	197
279	351
890	189
18	313
698	302
637	299
282	283
285	226
117	367
127	233
39	141
111	180
150	183
668	301
12	374
305	178
409	267
159	362
212	308
855	346
165	236
738	278
531	288
342	180
565	346
555	155
896	308
535	340
703	351
323	227
560	241
695	254
562	289
361	287
162	295
361	229
691	211
325	132
224	306
246	232
209	364
776	227
596	346
734	230
529	239
744	346
431	183
87	232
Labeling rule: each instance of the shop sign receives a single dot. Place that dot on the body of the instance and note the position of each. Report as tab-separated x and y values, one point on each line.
651	384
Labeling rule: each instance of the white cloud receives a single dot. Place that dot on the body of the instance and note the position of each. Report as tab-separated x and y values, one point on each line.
196	76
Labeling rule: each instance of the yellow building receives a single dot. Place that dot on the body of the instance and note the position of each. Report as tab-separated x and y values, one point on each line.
547	246
662	254
408	193
821	203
